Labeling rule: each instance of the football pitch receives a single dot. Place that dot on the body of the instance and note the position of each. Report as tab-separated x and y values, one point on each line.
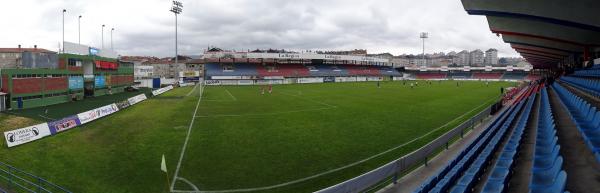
299	138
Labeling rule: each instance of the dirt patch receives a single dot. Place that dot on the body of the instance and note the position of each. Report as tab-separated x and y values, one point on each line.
9	122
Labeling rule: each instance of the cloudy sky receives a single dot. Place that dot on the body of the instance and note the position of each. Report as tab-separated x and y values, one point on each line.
146	27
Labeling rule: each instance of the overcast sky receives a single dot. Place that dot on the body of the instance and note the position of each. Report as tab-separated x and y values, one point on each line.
146	27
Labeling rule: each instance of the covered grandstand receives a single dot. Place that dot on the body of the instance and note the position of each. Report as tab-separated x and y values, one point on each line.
549	139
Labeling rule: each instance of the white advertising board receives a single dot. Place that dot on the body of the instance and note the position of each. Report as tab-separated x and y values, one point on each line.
162	90
374	78
245	82
310	80
212	82
226	77
94	114
136	99
26	135
361	79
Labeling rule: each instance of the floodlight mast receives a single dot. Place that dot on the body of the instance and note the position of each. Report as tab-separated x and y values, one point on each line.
424	35
103	35
176	9
63	30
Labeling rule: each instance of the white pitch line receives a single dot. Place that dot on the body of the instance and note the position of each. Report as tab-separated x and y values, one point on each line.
187	138
189	183
336	169
232	97
191	91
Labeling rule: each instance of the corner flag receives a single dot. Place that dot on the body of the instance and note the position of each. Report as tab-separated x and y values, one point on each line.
163	164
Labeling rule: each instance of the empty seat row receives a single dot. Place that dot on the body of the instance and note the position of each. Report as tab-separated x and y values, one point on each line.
489	131
587	85
594	72
585	116
469	164
547	174
502	168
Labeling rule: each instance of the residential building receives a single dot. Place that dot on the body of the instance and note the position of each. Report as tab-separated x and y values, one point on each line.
477	57
491	57
19	58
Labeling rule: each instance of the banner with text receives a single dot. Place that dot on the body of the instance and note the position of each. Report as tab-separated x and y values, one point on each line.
27	134
94	114
136	99
63	124
161	90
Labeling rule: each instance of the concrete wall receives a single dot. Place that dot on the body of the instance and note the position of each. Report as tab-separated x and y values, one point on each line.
10	60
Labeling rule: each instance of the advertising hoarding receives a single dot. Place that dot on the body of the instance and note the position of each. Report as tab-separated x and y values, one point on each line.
94	114
26	135
63	124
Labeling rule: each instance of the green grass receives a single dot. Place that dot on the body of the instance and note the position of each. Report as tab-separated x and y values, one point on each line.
246	139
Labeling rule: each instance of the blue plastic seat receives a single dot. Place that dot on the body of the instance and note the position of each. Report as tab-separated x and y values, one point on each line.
556	186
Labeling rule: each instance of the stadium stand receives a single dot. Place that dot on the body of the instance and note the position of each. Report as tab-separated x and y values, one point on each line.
503	166
431	76
514	76
594	71
285	70
297	70
460	75
214	69
354	70
487	75
389	71
586	117
547	175
327	70
590	86
461	174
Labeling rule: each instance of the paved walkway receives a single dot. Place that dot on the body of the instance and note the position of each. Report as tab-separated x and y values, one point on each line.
413	180
583	171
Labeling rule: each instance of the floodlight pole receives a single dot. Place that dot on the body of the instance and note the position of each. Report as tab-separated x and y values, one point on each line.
63	30
111	39
103	36
176	9
176	47
424	35
79	30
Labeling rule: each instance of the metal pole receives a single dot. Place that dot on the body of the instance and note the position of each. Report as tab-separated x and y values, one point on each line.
111	39
424	62
103	36
176	51
79	30
63	30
